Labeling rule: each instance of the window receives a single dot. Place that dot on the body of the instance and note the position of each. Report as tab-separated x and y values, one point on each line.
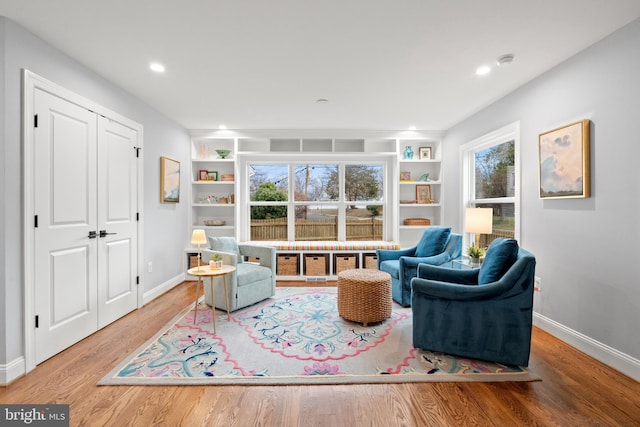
316	201
490	179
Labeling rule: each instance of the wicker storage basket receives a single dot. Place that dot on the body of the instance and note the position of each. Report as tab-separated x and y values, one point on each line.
315	265
287	265
371	261
417	221
364	295
193	261
344	262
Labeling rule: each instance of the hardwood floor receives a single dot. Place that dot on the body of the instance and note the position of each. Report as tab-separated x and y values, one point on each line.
576	390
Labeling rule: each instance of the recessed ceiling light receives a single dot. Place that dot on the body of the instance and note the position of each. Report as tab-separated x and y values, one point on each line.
322	101
157	67
481	71
412	128
222	127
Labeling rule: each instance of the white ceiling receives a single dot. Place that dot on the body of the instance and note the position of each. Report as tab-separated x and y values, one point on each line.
262	64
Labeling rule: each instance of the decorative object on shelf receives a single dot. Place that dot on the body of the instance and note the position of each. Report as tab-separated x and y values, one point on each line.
223	153
479	221
424	153
169	180
228	177
214	222
215	262
565	149
198	237
408	153
405	176
408	202
423	193
223	200
417	221
205	175
424	177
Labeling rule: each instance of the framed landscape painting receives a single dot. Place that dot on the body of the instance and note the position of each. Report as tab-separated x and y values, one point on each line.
564	162
169	180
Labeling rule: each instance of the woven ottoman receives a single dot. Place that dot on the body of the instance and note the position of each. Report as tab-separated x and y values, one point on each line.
364	295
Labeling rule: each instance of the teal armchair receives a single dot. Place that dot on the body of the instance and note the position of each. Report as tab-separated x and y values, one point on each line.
484	313
252	282
437	246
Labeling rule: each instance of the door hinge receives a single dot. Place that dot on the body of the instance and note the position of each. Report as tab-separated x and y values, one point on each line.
35	120
137	216
35	221
137	151
37	321
137	280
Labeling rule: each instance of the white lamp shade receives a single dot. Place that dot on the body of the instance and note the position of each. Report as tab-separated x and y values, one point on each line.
479	220
199	237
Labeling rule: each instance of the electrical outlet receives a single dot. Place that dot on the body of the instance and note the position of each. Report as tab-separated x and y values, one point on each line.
537	284
150	267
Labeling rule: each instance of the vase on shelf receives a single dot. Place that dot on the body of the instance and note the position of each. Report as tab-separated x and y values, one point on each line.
408	153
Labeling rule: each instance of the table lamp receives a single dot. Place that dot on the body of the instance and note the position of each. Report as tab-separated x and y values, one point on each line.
198	237
479	221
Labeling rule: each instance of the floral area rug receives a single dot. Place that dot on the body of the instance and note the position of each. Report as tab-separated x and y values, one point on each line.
296	337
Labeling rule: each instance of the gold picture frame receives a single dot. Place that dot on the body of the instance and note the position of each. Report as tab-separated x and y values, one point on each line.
169	180
564	162
423	193
425	153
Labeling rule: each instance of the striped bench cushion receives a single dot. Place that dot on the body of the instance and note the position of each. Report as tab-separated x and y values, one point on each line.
319	245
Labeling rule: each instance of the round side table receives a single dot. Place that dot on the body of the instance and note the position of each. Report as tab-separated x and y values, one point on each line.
204	271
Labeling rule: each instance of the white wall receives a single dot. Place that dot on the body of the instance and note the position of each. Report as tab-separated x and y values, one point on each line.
165	226
584	247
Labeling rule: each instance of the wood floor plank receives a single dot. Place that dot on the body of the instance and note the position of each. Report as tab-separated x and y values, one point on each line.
575	389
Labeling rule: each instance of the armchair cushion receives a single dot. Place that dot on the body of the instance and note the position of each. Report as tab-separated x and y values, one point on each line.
501	255
225	244
433	241
248	273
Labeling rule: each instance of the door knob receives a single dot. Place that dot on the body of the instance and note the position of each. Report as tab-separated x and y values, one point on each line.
103	233
92	235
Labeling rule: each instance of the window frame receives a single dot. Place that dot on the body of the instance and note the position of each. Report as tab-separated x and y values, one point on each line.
291	160
510	132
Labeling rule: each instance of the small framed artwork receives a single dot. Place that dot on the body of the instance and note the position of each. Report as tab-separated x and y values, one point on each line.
423	193
564	161
213	175
405	176
424	153
169	180
203	175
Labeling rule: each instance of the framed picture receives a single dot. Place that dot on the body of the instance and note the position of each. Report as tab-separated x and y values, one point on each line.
423	193
564	162
424	153
203	175
169	180
213	175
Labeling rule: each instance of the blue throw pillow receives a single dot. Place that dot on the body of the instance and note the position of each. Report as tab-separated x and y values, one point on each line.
433	241
500	256
225	244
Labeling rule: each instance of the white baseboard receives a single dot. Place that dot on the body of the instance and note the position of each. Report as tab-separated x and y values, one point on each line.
601	352
12	370
154	293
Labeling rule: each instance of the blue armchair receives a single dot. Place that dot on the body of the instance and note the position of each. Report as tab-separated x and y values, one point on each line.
437	246
251	282
484	313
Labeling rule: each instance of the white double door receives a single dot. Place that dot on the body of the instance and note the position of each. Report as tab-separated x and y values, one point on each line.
86	230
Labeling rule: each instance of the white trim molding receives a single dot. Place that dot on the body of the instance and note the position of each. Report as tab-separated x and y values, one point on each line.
609	356
12	371
163	287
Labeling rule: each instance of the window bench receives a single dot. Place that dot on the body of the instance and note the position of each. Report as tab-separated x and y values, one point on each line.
323	260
